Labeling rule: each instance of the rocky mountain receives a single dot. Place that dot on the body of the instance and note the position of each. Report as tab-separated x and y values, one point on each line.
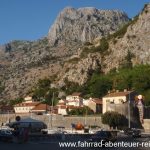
136	39
73	49
85	24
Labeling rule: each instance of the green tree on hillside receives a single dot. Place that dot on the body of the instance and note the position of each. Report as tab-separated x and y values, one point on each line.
127	63
16	101
99	85
43	92
122	80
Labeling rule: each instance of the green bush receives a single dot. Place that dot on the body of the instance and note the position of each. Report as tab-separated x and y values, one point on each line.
71	87
114	119
102	48
121	32
16	101
87	44
127	63
81	111
44	83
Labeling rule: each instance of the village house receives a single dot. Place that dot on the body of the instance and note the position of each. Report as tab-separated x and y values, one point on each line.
94	104
63	108
118	101
26	106
40	109
74	100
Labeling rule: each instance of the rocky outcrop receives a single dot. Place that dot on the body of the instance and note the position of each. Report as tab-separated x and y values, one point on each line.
85	24
24	63
78	71
136	40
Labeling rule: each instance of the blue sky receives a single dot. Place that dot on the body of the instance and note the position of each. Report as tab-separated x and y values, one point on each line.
31	19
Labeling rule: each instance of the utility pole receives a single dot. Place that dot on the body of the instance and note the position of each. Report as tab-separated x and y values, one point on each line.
129	113
52	111
85	116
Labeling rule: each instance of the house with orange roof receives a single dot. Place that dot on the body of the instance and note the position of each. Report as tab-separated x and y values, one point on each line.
94	104
118	101
24	107
75	99
40	109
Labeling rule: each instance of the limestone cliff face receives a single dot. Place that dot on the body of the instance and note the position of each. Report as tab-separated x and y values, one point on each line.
79	71
136	40
85	24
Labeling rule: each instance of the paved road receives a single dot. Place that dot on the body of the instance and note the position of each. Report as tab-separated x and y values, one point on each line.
54	145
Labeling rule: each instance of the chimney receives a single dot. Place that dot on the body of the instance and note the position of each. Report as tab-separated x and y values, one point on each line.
125	90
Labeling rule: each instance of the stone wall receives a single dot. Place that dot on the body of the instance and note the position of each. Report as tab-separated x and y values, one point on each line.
57	120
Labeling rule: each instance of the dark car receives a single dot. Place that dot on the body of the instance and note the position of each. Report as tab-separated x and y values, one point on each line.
106	136
136	133
133	132
6	135
128	131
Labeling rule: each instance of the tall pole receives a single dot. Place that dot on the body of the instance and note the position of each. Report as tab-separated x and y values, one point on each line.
8	117
129	113
52	111
85	116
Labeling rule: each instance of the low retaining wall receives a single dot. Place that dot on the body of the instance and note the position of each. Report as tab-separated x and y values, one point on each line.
57	120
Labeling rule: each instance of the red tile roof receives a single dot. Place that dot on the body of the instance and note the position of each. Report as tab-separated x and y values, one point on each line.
76	94
26	104
40	107
73	107
61	104
117	94
63	107
97	101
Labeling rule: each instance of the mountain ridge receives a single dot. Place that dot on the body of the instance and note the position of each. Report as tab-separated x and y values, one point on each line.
85	24
66	55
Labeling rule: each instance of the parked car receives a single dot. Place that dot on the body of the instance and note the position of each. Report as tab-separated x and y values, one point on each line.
133	132
136	133
106	136
6	135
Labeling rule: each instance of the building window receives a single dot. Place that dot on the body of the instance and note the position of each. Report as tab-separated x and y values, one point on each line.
112	101
107	100
121	100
